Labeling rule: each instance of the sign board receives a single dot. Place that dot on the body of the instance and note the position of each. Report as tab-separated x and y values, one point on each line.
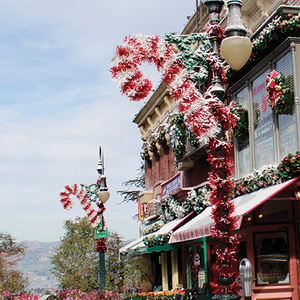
101	234
171	186
152	210
141	210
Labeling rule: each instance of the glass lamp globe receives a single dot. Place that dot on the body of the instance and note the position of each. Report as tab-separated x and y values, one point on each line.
103	195
236	50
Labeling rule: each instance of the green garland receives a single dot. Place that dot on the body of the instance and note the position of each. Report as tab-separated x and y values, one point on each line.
159	239
240	130
152	228
194	60
267	39
162	139
193	141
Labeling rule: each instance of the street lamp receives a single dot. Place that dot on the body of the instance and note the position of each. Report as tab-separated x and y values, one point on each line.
101	234
236	48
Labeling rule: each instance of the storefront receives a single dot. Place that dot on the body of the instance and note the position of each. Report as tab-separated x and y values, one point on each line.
268	230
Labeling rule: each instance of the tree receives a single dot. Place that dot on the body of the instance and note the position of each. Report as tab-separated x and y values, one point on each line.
130	195
75	262
120	275
11	279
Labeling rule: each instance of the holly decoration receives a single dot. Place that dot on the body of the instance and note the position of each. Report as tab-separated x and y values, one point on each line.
279	93
240	123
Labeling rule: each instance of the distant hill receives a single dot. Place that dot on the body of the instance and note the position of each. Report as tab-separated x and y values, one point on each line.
36	264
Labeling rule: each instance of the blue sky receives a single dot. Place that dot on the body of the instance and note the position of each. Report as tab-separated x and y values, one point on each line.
58	103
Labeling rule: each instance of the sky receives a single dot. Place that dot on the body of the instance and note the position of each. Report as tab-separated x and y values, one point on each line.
58	104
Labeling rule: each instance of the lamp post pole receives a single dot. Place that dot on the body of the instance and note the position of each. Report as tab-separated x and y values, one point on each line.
101	234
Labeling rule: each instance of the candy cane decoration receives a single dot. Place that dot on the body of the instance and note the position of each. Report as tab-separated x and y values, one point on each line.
135	51
204	117
80	192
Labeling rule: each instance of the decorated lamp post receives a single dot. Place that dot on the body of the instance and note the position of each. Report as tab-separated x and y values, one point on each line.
101	233
205	116
88	195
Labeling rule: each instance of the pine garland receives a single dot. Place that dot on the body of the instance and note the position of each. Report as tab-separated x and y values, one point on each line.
156	240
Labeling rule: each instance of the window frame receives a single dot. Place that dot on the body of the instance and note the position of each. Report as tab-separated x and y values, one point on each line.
268	63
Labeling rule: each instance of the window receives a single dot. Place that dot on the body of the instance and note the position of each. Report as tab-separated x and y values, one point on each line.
197	275
243	145
287	123
263	123
272	258
271	137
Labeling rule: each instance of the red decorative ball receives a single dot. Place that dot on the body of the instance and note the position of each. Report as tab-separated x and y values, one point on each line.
285	160
298	156
281	169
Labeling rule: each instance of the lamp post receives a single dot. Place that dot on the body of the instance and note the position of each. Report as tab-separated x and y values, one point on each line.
214	8
101	234
235	49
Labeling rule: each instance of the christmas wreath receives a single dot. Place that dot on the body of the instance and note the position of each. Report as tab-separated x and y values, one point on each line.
290	166
240	124
279	93
177	135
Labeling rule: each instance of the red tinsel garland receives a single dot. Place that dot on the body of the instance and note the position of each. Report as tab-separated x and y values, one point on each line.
204	116
101	245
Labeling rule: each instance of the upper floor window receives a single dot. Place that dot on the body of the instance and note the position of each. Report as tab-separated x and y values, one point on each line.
263	123
287	123
271	137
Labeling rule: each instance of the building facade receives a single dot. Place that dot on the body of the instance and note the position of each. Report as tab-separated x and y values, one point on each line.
174	208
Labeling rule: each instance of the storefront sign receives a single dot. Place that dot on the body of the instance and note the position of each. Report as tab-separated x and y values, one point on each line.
152	210
101	234
171	186
141	210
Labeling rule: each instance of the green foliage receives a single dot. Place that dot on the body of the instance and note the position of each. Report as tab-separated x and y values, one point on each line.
75	263
11	279
159	239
